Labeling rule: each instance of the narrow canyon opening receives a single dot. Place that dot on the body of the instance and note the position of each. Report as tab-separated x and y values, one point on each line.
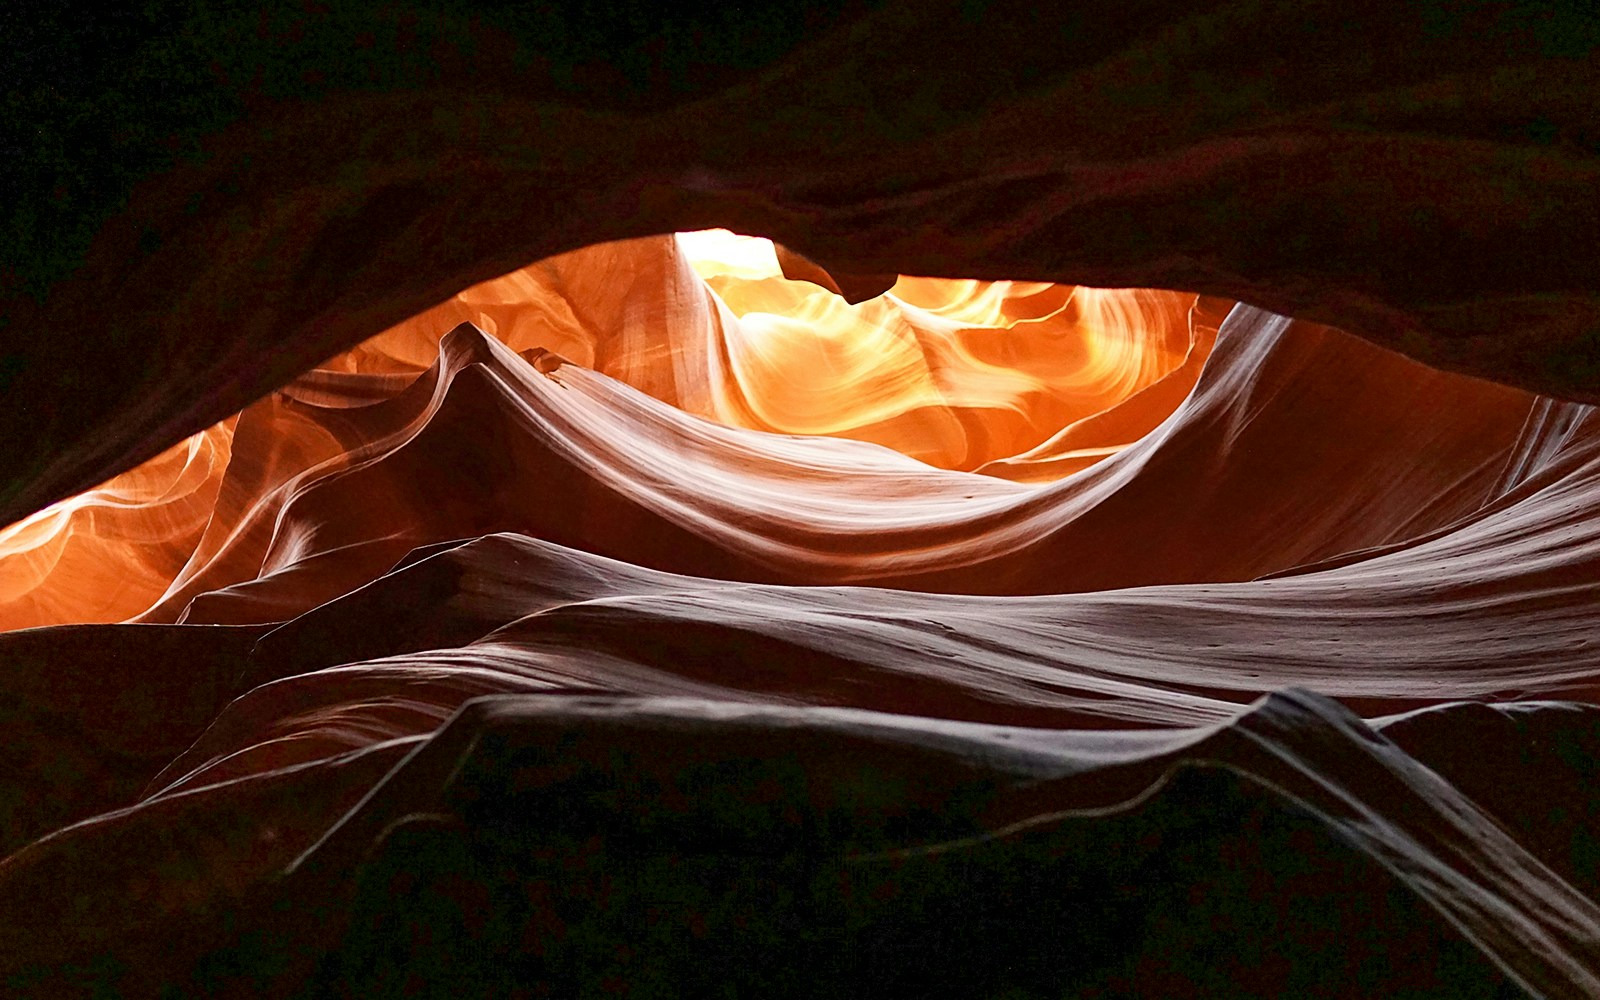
1027	382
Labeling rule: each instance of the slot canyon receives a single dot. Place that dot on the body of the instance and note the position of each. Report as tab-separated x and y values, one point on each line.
951	499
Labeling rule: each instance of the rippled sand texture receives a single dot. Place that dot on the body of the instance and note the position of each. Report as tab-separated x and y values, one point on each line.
1121	590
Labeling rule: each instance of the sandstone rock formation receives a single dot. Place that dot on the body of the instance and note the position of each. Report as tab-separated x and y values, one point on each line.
425	575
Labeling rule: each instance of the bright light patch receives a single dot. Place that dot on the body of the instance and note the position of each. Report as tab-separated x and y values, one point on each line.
716	252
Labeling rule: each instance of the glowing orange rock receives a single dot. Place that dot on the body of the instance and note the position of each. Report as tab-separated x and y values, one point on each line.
108	554
1024	381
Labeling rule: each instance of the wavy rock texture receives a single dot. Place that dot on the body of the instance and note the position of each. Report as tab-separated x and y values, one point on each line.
650	619
596	595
